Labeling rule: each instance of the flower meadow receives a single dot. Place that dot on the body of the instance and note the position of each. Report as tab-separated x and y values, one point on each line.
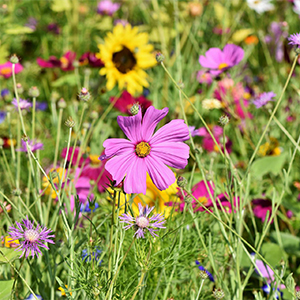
149	149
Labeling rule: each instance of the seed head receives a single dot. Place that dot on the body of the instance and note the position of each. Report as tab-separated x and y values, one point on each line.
84	95
218	294
159	57
224	120
203	274
34	92
134	110
181	182
70	122
14	59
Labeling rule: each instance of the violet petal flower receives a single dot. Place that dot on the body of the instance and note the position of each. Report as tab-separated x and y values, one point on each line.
34	237
107	7
294	39
24	104
146	152
33	145
263	99
143	222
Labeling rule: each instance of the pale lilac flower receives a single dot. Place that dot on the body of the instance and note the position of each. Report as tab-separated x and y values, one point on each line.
263	99
33	146
31	297
146	152
34	237
143	222
294	39
204	77
24	104
107	7
219	61
260	6
296	7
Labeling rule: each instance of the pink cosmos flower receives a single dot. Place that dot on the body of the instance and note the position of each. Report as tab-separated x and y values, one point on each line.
6	69
65	62
219	61
107	7
146	152
124	103
82	161
204	77
261	208
24	104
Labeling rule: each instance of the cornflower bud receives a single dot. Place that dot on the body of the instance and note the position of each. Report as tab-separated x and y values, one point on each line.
180	84
86	125
203	274
224	120
62	103
54	96
14	59
134	110
33	92
20	89
94	115
181	182
218	294
159	57
84	95
188	199
25	138
17	192
70	122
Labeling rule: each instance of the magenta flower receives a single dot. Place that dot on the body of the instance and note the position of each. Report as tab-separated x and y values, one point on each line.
261	207
34	237
6	69
204	77
294	39
82	161
146	152
107	7
65	63
263	99
143	222
89	58
33	145
24	104
219	61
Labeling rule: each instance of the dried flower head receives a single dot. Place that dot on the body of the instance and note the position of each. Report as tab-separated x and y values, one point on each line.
70	122
143	222
218	294
33	237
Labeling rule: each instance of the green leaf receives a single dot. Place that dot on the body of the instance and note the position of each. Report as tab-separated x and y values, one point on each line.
290	243
4	53
16	29
60	5
10	255
67	79
273	253
290	283
5	289
269	164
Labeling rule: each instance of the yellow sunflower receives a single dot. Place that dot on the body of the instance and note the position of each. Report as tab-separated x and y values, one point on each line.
125	54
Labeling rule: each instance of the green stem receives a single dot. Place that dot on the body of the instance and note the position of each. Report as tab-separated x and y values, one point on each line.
201	285
58	136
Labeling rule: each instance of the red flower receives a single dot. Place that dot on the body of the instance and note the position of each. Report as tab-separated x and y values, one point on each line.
65	62
89	58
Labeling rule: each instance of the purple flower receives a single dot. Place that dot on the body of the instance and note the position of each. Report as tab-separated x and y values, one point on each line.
4	93
33	237
2	116
211	278
31	297
143	222
41	105
53	27
263	99
204	77
33	145
31	23
219	61
106	7
88	256
24	104
294	39
146	152
267	289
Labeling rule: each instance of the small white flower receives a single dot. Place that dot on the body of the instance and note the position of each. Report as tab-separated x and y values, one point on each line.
296	7
260	6
211	104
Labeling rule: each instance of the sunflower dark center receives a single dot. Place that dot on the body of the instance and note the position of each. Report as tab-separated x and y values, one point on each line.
124	60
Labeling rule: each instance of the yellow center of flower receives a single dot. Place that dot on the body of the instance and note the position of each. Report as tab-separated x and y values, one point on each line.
64	62
94	159
124	60
31	235
142	149
5	71
222	66
203	200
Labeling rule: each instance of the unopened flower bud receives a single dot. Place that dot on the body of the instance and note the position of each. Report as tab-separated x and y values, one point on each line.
14	59
75	63
198	150
87	72
203	274
20	89
188	199
54	174
25	138
86	125
218	294
134	110
84	95
181	181
70	122
1	142
54	96
62	103
224	120
159	57
94	115
33	92
195	9
180	84
17	192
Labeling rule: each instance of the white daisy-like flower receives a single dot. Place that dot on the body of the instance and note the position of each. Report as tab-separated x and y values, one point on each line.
211	104
260	6
296	7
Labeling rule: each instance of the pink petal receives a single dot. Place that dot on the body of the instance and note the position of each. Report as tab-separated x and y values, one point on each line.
150	120
200	190
131	126
173	154
160	174
174	131
233	54
117	146
135	181
119	165
212	59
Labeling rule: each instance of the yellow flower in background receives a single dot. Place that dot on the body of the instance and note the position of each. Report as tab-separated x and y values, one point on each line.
63	293
125	54
270	148
60	172
10	243
153	197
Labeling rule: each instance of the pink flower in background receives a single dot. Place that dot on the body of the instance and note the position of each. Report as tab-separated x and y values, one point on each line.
24	104
82	160
219	61
263	99
89	58
6	69
107	7
33	145
204	77
146	152
261	207
124	103
65	63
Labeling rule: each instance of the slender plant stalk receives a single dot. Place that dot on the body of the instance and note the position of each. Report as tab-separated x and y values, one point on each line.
201	285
